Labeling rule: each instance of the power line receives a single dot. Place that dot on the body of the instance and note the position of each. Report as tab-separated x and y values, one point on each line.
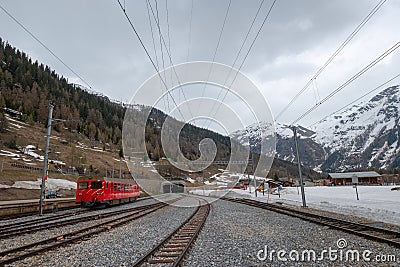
247	54
169	39
240	50
349	81
162	51
245	39
166	105
338	50
159	34
190	30
216	48
170	58
167	13
152	34
356	100
148	55
45	46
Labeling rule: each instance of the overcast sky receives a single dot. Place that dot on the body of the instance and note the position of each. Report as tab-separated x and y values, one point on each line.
95	39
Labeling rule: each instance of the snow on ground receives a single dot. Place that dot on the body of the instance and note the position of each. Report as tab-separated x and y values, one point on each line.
16	121
52	184
225	178
29	150
8	153
378	203
190	180
83	146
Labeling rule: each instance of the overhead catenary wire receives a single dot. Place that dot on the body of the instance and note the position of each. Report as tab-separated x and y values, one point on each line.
215	51
218	43
159	34
166	104
245	57
162	51
170	59
332	57
238	54
349	81
190	32
356	100
152	34
168	35
148	55
45	47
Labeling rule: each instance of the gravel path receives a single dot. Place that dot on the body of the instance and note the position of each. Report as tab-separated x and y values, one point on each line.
235	233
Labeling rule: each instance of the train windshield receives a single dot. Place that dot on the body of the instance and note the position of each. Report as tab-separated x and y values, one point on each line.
96	185
83	185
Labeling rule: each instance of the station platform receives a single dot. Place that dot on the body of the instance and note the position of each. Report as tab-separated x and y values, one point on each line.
15	208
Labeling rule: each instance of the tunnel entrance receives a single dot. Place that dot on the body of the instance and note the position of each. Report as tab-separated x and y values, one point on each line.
173	187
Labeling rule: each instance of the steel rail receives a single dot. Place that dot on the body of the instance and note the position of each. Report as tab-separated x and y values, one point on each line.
173	248
379	234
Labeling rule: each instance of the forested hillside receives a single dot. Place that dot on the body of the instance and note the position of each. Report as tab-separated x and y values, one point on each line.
28	87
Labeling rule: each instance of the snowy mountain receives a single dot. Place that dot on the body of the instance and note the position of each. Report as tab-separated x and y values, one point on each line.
312	154
363	136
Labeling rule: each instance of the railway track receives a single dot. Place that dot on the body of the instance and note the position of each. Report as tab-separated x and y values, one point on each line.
379	234
40	220
37	224
172	250
46	244
17	230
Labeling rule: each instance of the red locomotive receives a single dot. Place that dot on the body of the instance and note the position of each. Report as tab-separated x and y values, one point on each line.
105	191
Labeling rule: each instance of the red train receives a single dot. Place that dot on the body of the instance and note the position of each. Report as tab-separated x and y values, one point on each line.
105	191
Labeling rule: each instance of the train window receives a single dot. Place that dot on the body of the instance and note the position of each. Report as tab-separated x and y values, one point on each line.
134	187
106	185
119	187
115	187
83	185
96	185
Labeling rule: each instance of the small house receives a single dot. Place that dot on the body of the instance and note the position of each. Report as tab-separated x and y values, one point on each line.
364	178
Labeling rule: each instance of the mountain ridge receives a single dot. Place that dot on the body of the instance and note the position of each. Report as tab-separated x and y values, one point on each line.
363	136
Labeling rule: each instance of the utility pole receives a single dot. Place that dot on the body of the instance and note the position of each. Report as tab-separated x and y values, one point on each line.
120	169
46	159
254	175
303	196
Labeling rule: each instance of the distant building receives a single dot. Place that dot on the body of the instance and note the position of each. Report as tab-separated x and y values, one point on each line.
322	182
285	182
364	178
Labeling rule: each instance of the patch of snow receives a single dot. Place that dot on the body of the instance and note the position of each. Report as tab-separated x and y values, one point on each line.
377	203
190	180
52	184
8	153
16	126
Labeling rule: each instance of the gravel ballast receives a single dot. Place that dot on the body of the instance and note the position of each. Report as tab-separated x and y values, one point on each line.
121	246
234	234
